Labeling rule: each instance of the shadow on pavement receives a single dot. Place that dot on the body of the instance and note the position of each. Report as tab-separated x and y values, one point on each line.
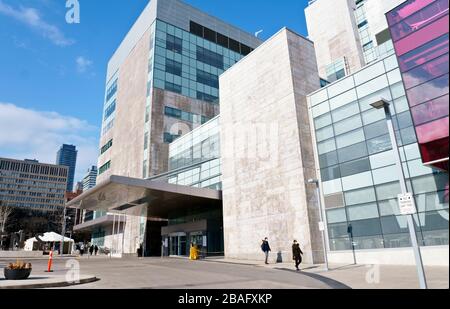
330	282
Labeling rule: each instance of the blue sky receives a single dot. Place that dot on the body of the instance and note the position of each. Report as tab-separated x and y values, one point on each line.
52	74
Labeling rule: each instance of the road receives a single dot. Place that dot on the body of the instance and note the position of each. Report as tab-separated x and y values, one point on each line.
133	273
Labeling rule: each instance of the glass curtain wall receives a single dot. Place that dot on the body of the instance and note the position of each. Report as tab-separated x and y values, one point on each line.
357	166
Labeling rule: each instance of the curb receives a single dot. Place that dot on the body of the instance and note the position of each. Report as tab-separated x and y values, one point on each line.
50	284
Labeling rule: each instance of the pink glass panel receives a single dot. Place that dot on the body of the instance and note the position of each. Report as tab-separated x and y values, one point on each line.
419	19
406	9
431	110
426	72
432	131
422	36
431	50
426	92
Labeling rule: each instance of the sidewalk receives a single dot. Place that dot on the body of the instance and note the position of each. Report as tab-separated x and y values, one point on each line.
362	276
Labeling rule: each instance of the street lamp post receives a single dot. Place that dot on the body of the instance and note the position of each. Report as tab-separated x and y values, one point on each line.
322	222
63	231
383	104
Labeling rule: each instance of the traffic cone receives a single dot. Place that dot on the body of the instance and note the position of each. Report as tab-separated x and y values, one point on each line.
50	261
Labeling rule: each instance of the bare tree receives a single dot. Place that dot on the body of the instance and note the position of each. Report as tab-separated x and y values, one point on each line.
5	213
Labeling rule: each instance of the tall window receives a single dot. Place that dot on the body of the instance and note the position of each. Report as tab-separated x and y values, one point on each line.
173	67
174	44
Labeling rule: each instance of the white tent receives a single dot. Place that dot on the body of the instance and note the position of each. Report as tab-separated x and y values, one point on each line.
47	238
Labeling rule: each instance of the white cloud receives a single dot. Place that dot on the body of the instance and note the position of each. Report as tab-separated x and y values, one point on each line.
30	134
83	64
32	18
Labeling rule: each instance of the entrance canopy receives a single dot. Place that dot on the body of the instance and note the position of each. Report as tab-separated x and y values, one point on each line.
119	194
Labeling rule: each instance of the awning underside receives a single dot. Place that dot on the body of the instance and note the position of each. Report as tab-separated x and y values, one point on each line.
123	194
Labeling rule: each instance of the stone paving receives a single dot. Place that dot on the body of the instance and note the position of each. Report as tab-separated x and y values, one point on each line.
174	273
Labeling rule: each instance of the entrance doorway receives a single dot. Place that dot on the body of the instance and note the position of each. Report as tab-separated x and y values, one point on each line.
178	244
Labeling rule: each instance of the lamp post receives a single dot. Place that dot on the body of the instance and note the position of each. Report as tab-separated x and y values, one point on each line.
383	104
322	223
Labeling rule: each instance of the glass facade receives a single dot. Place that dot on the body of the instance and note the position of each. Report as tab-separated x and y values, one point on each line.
194	159
357	167
420	32
190	63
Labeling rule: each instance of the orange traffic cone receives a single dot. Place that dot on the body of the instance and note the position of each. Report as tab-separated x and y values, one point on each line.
50	261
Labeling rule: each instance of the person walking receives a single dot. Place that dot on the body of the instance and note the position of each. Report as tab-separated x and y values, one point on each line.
91	250
96	250
297	254
265	247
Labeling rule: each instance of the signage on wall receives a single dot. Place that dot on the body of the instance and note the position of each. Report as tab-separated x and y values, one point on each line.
407	204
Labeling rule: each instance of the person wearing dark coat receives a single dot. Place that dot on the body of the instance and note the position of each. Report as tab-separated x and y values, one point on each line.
265	247
91	250
297	254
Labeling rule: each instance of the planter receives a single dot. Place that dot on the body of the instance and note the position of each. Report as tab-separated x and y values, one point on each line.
17	274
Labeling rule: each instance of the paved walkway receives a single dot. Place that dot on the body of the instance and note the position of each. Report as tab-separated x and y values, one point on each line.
174	273
363	276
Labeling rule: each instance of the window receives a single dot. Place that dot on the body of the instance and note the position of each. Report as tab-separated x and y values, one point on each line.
207	97
376	129
207	79
360	212
173	67
345	111
352	152
172	87
328	159
428	91
370	227
106	147
219	39
355	167
424	53
210	57
104	168
111	91
146	140
172	112
348	125
430	111
330	173
174	44
169	138
336	216
110	110
360	196
350	138
324	133
379	144
426	72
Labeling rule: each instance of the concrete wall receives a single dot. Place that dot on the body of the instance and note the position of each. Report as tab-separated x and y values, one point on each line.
432	256
126	154
267	153
332	27
376	15
158	150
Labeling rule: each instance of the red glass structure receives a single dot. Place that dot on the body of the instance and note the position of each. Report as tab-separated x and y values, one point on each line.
420	32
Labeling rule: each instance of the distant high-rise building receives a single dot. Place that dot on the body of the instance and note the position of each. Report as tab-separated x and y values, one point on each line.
29	184
67	156
90	180
79	186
